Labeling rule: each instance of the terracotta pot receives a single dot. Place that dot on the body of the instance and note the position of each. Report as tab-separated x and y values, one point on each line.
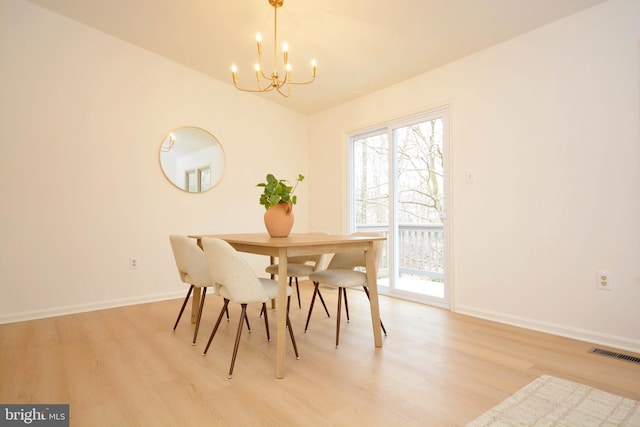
279	219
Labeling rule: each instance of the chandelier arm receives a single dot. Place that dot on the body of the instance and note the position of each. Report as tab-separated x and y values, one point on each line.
301	83
261	90
286	95
261	68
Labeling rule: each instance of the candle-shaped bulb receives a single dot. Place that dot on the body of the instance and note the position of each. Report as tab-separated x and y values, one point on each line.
313	68
288	67
285	49
234	70
259	41
257	68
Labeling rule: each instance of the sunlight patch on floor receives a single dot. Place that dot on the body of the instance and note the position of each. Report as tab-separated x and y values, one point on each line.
416	285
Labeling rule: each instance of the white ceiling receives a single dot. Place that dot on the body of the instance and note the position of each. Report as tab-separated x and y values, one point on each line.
360	45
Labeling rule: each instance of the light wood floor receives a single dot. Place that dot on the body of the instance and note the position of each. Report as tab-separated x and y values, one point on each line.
125	367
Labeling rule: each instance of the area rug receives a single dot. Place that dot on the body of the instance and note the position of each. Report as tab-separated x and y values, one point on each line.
550	401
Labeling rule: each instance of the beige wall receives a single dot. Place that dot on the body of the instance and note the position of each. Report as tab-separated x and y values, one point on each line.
82	116
548	123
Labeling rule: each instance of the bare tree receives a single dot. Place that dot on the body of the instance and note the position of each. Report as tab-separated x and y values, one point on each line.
420	172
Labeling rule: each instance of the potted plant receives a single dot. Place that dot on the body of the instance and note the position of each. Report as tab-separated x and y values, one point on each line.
278	199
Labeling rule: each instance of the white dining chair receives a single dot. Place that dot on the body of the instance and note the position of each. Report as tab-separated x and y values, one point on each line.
192	269
236	281
341	273
302	266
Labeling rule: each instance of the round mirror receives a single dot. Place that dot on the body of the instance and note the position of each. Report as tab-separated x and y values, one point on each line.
192	159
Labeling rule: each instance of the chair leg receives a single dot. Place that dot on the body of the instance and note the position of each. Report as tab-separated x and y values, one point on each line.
313	300
266	320
184	304
195	333
243	315
246	318
215	328
293	339
297	291
366	291
326	310
338	316
346	304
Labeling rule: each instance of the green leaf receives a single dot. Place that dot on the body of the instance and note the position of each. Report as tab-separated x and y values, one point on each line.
276	191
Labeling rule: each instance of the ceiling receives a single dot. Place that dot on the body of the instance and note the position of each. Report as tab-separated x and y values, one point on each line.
360	45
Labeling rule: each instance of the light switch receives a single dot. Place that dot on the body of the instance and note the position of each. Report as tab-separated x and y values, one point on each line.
469	177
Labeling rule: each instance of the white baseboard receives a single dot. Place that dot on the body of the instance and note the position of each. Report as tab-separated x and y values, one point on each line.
81	308
553	328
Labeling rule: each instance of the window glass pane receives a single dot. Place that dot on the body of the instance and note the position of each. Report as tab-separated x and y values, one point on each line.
192	181
420	175
420	197
371	180
205	178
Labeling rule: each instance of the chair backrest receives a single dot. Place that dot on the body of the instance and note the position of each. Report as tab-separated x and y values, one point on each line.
352	259
190	261
233	276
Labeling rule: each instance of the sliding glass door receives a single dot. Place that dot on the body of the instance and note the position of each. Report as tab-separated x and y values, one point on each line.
398	186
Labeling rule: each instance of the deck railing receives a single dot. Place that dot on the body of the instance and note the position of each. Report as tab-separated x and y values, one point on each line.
421	249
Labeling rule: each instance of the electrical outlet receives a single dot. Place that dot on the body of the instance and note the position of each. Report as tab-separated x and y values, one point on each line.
133	263
603	281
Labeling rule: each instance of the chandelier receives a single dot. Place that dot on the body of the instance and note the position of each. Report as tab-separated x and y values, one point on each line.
281	83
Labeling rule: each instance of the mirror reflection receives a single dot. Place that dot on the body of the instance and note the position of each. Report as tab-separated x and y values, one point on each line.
192	159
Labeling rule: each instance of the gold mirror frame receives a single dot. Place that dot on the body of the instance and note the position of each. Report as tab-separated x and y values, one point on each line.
192	159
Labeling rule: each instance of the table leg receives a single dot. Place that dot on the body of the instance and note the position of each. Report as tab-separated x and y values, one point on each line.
195	304
372	284
281	305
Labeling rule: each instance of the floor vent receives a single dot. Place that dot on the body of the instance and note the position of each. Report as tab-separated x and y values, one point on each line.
628	358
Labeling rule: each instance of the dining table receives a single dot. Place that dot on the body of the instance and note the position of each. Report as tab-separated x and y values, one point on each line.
298	245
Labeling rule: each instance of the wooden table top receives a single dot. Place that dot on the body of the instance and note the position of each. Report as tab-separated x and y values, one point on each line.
293	240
